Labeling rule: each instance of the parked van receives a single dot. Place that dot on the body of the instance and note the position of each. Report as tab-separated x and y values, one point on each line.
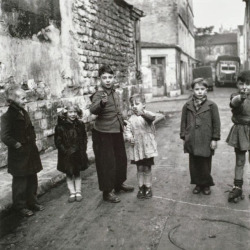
227	70
206	73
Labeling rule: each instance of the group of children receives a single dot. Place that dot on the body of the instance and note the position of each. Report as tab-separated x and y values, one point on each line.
200	130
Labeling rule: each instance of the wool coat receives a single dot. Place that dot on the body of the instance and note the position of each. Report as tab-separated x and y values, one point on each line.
17	127
109	117
199	128
71	142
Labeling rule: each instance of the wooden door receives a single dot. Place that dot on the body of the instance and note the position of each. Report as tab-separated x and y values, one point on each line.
158	75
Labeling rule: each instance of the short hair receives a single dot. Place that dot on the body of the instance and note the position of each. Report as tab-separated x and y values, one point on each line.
139	97
105	69
244	76
11	92
199	80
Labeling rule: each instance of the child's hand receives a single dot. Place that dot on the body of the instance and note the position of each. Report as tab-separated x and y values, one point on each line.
243	96
213	145
132	141
137	112
104	98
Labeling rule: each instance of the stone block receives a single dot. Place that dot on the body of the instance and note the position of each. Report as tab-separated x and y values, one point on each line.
43	123
32	106
38	115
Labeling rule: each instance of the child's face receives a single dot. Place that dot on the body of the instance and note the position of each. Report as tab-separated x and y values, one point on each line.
199	90
20	98
72	114
244	87
107	80
137	106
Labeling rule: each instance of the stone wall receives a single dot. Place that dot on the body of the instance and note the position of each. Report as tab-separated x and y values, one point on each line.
59	63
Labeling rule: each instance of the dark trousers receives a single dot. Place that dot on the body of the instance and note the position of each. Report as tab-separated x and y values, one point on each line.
110	158
200	170
24	191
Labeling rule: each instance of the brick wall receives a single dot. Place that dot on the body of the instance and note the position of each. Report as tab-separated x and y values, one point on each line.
92	33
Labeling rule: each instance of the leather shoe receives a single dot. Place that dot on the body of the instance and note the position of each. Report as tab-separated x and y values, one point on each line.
111	197
26	212
37	207
206	191
124	188
197	190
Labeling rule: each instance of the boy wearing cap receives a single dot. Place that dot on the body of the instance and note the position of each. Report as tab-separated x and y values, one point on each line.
239	134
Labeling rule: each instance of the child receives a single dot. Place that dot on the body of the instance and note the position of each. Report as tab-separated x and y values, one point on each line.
239	134
108	142
17	132
71	142
200	130
140	132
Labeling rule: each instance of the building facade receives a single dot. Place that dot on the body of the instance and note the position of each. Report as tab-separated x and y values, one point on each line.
209	47
54	48
246	37
168	51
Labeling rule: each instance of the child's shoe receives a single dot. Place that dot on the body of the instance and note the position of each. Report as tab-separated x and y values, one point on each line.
72	198
148	192
197	189
141	193
78	196
206	190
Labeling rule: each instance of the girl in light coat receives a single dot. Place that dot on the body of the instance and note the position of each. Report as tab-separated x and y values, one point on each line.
140	133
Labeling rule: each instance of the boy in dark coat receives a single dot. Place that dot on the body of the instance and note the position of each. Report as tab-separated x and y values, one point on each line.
71	141
17	132
108	142
200	130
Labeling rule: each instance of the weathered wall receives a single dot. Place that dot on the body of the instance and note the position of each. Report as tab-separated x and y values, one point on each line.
161	20
172	83
72	39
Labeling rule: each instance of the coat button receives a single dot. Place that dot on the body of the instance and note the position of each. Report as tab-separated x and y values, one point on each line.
197	126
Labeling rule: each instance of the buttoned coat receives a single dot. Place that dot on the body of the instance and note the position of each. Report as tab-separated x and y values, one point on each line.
199	128
109	117
17	127
67	145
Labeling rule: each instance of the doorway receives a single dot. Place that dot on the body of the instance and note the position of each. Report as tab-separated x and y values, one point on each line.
158	76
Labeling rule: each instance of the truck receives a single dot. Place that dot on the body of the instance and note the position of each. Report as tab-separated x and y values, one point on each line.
227	69
206	73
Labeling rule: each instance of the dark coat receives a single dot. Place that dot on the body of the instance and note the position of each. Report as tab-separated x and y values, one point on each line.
109	117
199	128
17	127
71	141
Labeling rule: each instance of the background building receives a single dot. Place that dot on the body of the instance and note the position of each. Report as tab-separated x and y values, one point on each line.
209	47
168	52
246	37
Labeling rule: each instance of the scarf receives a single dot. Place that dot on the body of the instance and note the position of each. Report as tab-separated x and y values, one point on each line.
198	102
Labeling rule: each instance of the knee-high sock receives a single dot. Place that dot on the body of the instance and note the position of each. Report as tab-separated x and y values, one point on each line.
140	178
78	183
70	184
148	179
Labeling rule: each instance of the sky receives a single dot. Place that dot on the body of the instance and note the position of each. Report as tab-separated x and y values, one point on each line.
229	13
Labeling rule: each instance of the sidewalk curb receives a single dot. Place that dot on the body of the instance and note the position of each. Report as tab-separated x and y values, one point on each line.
169	99
54	178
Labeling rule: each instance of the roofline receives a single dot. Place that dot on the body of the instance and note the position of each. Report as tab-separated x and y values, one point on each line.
167	46
139	12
